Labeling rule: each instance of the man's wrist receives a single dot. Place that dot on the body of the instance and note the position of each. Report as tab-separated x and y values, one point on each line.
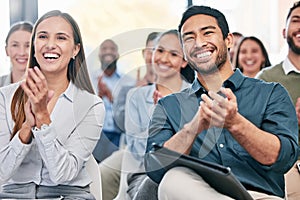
239	125
190	130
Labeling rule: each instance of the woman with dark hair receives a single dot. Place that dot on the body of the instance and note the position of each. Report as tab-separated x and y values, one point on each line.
251	56
51	121
17	49
168	62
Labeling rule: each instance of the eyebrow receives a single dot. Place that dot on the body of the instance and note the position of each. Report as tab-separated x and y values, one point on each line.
201	29
295	17
65	34
41	32
59	33
170	50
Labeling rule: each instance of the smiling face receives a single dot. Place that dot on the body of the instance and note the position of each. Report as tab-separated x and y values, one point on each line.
54	45
292	31
168	56
108	53
203	43
251	58
18	49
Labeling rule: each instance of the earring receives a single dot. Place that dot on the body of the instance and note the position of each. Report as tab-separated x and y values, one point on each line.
73	57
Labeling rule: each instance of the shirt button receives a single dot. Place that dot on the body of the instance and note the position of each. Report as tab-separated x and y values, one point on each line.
221	145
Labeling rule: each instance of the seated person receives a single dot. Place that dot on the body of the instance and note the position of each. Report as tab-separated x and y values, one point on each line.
251	56
224	117
17	49
169	65
51	121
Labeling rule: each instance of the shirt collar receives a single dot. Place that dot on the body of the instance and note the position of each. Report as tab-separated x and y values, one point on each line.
289	67
152	87
117	74
233	82
69	92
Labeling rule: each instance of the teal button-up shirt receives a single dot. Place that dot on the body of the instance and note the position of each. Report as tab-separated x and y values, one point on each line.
266	105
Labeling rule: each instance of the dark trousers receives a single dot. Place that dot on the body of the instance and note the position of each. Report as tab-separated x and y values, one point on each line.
147	189
33	191
107	144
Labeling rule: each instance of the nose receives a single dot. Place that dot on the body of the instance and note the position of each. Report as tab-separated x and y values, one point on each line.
200	41
51	44
23	50
164	57
248	54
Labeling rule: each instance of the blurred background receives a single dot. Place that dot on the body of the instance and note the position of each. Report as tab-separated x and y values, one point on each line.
129	22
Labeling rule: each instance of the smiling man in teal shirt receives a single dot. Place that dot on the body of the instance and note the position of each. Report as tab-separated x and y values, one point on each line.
253	130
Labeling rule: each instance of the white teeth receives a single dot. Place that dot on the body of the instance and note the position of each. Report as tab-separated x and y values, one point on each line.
164	67
51	55
298	35
250	62
21	60
207	53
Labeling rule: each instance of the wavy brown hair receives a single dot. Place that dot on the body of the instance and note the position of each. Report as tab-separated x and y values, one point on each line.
77	69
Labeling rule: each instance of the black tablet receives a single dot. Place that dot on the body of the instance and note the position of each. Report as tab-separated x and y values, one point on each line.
161	159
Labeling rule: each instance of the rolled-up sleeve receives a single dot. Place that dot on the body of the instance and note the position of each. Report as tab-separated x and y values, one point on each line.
280	119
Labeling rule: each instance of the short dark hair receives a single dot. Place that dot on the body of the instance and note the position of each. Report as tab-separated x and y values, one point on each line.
205	10
111	41
237	34
295	5
151	37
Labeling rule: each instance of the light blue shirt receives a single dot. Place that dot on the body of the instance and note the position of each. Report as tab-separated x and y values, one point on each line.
58	153
138	112
118	84
111	82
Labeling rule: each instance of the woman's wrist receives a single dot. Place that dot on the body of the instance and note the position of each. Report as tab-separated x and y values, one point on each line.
25	134
26	126
43	118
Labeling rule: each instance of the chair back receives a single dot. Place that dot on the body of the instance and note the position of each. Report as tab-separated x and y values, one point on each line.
94	172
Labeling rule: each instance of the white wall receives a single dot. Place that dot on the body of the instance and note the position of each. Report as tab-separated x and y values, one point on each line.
102	19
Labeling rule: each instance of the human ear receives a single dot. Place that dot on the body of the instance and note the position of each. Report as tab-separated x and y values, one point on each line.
6	51
184	64
284	33
76	50
229	40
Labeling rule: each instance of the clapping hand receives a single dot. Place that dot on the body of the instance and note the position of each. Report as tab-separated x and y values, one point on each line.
36	88
156	96
103	90
216	111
